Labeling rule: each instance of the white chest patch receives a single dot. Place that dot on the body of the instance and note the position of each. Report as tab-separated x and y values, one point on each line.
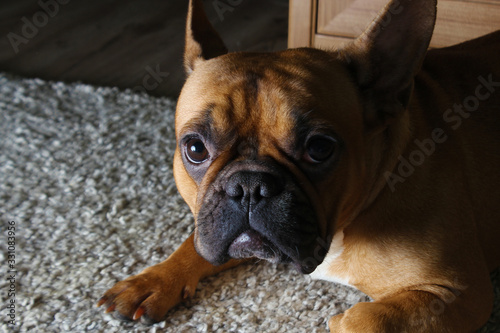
324	270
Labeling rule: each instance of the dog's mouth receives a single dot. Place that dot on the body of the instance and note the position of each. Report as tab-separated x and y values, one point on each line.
304	255
252	244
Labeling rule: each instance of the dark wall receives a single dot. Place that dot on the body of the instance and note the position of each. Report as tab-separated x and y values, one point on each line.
127	43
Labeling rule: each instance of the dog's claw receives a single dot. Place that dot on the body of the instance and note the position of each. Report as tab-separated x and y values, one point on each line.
111	308
138	313
101	301
186	293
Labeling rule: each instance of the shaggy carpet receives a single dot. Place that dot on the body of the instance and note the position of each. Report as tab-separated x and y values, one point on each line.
87	198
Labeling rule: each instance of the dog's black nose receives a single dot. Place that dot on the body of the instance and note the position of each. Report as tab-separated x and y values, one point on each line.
251	187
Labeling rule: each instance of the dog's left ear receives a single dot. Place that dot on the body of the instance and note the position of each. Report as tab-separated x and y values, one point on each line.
202	41
388	55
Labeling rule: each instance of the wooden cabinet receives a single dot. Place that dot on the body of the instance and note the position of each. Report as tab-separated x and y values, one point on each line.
330	23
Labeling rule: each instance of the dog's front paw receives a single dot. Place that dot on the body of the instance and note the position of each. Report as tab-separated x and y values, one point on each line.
149	295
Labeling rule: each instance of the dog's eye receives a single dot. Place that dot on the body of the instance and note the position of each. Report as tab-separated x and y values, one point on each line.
319	149
196	152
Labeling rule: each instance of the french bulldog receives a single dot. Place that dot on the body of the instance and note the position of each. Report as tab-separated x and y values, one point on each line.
375	165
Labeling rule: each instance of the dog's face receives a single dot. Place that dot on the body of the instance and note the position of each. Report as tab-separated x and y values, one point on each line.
256	154
271	148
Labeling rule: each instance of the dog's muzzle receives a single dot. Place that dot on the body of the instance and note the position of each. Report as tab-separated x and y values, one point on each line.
258	210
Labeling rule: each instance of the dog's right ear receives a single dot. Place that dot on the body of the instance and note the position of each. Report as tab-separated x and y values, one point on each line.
202	41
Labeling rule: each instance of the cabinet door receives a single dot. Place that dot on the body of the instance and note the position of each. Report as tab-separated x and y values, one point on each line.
301	23
457	21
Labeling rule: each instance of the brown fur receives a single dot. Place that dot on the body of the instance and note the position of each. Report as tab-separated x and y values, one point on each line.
422	245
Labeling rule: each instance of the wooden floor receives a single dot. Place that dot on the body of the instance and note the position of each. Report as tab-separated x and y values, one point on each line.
127	43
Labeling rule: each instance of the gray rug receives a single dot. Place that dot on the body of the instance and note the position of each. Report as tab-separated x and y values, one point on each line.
86	180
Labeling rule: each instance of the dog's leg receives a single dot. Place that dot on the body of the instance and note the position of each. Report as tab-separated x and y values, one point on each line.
444	310
154	291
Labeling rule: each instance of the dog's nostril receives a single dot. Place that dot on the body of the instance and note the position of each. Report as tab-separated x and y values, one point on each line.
235	190
269	189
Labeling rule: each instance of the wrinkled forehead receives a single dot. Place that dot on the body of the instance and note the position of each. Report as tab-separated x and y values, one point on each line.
232	92
244	91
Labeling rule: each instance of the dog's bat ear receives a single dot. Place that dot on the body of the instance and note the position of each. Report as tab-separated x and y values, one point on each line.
202	41
388	55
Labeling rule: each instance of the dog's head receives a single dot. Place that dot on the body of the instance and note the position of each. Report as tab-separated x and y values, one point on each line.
276	150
